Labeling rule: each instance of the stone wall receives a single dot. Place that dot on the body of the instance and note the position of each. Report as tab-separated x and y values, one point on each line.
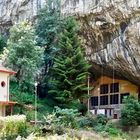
111	29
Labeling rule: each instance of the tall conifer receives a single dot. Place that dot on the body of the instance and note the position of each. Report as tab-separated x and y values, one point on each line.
70	70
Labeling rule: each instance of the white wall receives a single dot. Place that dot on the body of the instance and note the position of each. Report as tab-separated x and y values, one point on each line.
4	91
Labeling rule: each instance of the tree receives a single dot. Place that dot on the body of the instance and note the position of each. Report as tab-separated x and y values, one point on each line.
130	113
2	43
47	29
23	56
70	69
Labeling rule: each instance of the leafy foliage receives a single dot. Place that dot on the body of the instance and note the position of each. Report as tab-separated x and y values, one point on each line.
12	126
63	117
26	103
103	125
19	96
101	119
23	55
130	113
70	70
71	119
2	43
48	24
86	121
47	28
111	130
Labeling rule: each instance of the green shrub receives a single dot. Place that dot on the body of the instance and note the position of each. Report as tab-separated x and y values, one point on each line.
31	115
18	95
67	117
12	126
82	108
130	113
101	119
102	125
99	128
108	129
60	119
86	121
111	130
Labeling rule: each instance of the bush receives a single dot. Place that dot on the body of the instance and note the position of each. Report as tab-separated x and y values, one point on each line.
18	95
130	113
86	121
12	126
61	119
99	128
111	130
108	129
102	125
65	117
101	119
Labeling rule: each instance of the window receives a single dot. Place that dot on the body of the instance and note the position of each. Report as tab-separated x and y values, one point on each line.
94	101
103	100
104	89
3	84
114	87
124	95
114	99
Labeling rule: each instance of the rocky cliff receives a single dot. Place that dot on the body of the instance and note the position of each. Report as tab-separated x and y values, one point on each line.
111	29
12	11
112	32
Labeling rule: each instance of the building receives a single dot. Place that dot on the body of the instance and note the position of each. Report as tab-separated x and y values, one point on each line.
4	90
108	94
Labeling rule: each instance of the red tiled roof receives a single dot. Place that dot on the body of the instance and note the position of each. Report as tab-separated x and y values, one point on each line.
6	70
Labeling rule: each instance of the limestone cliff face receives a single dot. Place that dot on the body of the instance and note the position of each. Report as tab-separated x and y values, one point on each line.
12	11
111	29
112	32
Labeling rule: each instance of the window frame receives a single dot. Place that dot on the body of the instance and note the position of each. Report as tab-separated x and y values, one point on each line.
92	101
113	88
113	99
104	89
104	101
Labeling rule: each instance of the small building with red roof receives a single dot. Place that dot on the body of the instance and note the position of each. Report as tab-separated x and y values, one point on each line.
5	74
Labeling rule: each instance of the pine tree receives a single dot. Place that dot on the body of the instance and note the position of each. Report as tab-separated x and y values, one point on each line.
70	70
